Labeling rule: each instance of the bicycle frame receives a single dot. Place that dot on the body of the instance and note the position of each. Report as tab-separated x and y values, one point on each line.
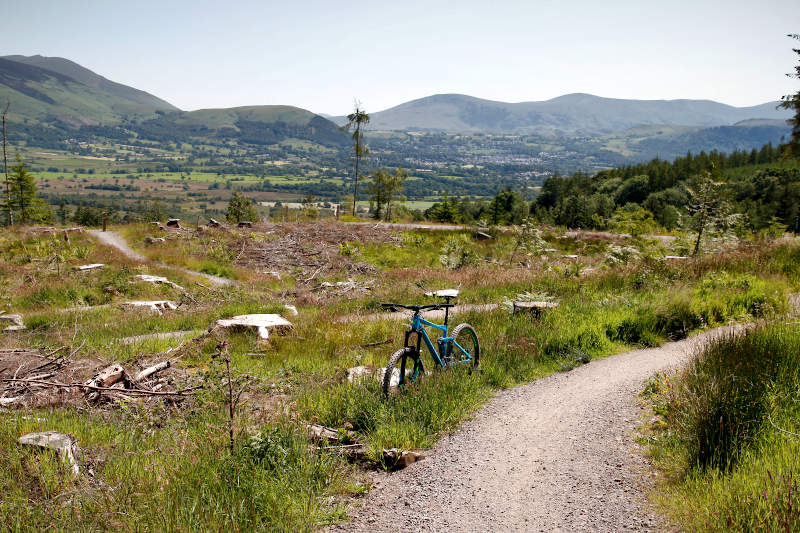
439	355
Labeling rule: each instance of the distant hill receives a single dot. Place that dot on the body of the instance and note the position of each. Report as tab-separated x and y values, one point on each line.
49	94
569	115
267	124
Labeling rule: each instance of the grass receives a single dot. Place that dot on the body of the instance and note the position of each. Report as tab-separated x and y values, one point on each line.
170	468
729	434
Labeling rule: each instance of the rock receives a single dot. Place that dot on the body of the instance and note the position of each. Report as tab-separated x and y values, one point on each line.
65	445
174	223
93	266
157	306
262	323
536	308
401	459
16	322
292	309
154	240
157	279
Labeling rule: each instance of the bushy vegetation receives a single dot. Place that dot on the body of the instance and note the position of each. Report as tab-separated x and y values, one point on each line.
730	434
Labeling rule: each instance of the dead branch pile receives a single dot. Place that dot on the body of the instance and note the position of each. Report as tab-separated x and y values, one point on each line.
38	378
313	248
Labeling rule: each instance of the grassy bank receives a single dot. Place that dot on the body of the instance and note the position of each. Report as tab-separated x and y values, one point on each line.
729	436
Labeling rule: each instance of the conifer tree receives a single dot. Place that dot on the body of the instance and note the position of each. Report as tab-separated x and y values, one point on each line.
23	203
792	101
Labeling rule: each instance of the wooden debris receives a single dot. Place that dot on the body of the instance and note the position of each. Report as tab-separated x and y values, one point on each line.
16	322
245	224
147	278
156	306
481	236
108	376
213	223
317	432
93	266
154	240
65	445
261	322
572	257
674	258
174	223
149	371
536	308
292	309
4	402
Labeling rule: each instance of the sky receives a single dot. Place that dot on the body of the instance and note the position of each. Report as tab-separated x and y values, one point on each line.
322	55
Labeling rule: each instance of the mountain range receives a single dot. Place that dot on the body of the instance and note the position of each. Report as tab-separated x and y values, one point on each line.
569	115
56	94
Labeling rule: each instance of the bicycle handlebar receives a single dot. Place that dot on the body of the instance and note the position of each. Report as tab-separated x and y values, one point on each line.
416	308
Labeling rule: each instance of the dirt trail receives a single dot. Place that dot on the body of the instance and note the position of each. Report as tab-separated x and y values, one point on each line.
115	240
555	455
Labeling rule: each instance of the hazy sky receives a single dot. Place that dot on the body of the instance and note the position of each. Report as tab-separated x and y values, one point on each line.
320	55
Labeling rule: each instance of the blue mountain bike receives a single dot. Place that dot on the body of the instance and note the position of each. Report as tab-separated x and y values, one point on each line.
459	348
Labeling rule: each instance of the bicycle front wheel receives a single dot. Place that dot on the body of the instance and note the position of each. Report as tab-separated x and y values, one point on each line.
465	347
404	366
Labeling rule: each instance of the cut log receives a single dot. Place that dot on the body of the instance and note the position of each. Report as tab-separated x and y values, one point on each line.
481	236
357	372
149	371
65	445
174	223
108	376
245	224
154	240
9	401
213	223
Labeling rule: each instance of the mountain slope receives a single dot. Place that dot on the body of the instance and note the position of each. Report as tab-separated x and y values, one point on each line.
572	114
87	77
46	96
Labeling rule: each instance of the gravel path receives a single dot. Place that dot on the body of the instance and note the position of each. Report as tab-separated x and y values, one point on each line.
555	455
115	240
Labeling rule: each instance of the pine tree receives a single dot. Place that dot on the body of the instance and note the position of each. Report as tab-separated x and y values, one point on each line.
240	208
792	101
24	202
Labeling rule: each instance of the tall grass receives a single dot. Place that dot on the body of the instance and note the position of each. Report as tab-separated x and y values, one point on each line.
732	434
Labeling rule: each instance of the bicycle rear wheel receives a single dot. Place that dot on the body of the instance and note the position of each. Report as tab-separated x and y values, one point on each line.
404	366
464	336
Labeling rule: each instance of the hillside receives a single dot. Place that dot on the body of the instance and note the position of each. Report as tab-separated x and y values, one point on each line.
48	96
568	115
267	124
91	79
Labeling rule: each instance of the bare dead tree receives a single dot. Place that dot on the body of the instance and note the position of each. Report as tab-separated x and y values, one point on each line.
5	164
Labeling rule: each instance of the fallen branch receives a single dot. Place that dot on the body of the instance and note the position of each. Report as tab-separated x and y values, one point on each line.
147	372
141	392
